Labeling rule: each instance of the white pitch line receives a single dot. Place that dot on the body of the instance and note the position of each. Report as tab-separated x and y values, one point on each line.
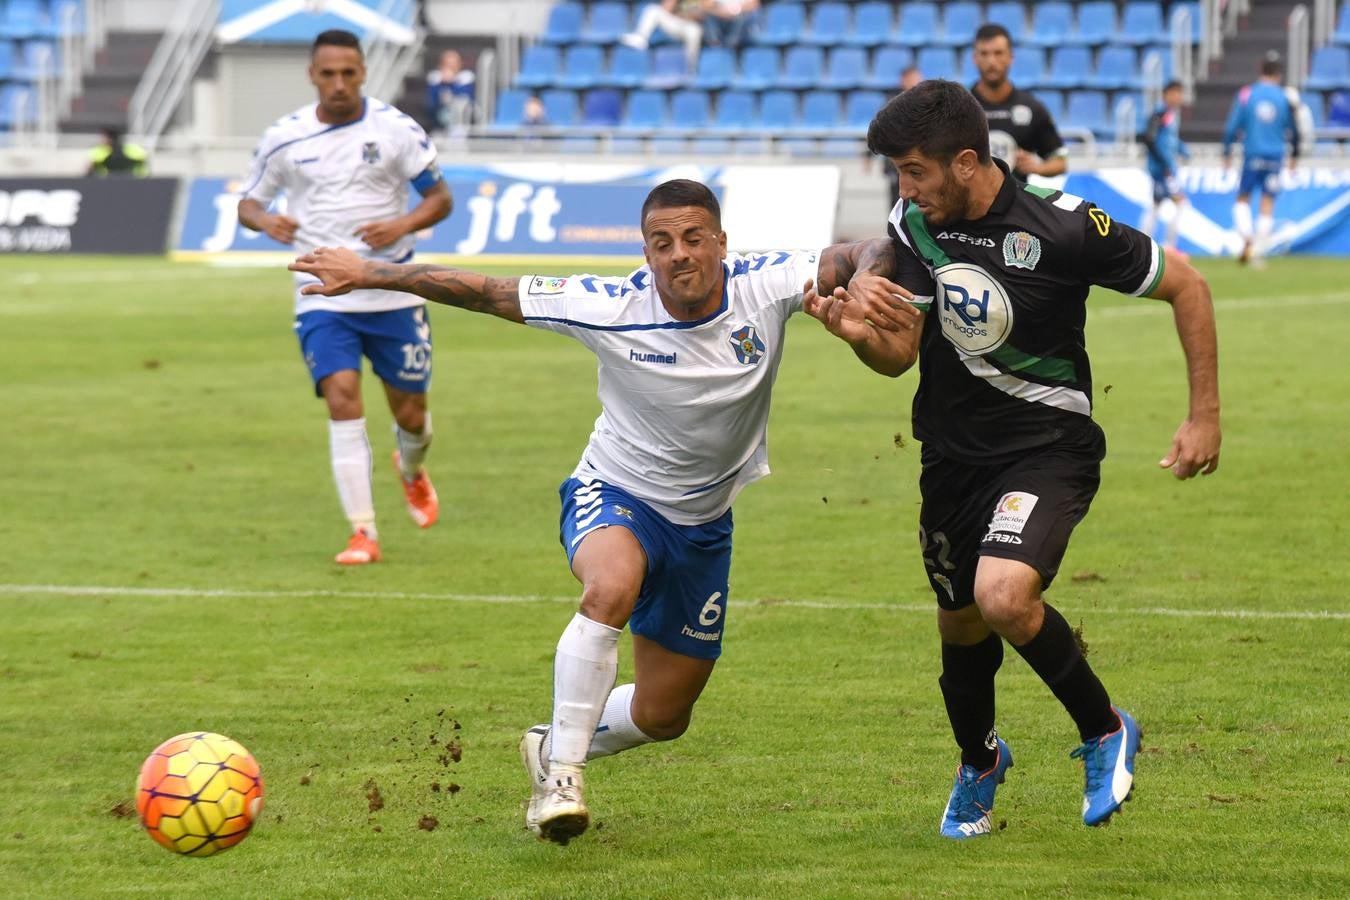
106	275
63	590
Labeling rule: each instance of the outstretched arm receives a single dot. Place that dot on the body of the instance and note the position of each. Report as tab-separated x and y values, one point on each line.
890	353
865	269
340	271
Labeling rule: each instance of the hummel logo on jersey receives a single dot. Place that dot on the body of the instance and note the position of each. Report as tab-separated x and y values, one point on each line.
370	152
964	238
667	359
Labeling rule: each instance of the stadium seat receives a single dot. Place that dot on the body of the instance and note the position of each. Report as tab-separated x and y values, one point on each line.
1342	33
646	110
938	62
820	111
1070	67
872	25
1096	22
67	15
1142	24
1012	16
607	22
564	24
601	107
689	110
847	68
1194	10
783	24
716	68
561	106
668	68
778	111
759	68
1053	101
803	67
1330	69
829	24
1117	68
967	72
1051	24
887	65
510	108
735	111
23	19
16	105
1028	67
583	66
959	23
539	67
6	60
861	107
918	25
628	67
1087	109
1338	109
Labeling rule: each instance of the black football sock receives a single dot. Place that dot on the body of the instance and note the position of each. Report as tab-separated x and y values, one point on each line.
1054	655
967	684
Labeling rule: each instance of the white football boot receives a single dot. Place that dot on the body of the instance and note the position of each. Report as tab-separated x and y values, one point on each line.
530	745
561	814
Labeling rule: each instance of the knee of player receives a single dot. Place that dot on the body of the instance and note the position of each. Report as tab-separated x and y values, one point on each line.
661	724
609	601
1004	604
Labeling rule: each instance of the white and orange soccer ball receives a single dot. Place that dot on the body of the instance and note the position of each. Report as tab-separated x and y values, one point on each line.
199	793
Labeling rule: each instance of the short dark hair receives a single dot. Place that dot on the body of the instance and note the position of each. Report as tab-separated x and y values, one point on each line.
1172	85
682	192
336	37
936	117
1271	65
990	30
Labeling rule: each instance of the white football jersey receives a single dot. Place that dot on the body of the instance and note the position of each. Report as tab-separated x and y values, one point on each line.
684	405
338	177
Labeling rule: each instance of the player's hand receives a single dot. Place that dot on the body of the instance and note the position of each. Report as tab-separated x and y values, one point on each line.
281	228
884	303
841	316
338	270
380	234
1195	449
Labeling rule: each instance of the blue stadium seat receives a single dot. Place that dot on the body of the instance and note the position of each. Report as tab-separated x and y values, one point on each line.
716	68
1087	109
938	62
1012	16
1338	109
1330	69
61	21
887	64
6	60
628	67
1142	24
847	67
735	111
510	108
561	106
918	25
1117	68
646	110
965	63
1342	33
778	110
608	20
829	24
38	60
1097	22
1028	67
759	68
802	67
23	19
820	111
689	110
872	24
784	23
601	107
16	107
539	67
564	24
1051	24
959	23
1070	67
668	68
583	66
1194	10
1053	101
860	107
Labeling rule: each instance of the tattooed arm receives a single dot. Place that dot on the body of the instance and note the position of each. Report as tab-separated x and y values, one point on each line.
340	271
865	269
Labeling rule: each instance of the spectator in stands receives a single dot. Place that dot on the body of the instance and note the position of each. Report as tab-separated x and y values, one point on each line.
1021	132
450	93
1162	138
681	19
1264	114
726	23
533	119
115	156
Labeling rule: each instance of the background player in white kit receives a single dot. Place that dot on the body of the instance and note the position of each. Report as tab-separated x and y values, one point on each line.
345	164
688	346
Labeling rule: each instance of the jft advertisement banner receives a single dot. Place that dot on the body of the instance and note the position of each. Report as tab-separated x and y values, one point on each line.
558	212
1312	209
85	215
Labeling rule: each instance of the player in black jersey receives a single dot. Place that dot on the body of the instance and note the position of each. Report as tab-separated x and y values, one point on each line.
1021	131
1000	273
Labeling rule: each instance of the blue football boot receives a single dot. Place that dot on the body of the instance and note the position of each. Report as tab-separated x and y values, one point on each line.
1108	763
972	799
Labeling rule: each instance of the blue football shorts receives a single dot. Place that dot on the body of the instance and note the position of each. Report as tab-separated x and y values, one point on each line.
683	601
397	342
1260	174
1165	186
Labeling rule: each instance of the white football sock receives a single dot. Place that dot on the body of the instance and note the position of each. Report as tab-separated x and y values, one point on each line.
1170	238
350	451
1242	220
1264	226
412	448
584	669
1150	220
616	731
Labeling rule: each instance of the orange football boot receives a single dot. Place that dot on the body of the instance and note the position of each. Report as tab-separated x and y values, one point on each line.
423	506
361	550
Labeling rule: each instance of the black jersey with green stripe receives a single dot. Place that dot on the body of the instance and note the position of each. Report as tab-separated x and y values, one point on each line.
1003	366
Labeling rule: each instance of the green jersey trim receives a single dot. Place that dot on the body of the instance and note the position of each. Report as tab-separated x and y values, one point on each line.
1048	367
1043	192
927	247
1155	272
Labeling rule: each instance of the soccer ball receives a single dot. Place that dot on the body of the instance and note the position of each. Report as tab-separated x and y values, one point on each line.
199	793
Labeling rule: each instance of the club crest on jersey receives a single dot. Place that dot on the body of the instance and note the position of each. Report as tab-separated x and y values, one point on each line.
749	348
1021	250
370	152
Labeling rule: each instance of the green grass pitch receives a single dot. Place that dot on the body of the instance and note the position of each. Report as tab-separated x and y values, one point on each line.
169	521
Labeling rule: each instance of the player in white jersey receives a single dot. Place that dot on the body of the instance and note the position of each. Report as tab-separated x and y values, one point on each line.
688	348
345	165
